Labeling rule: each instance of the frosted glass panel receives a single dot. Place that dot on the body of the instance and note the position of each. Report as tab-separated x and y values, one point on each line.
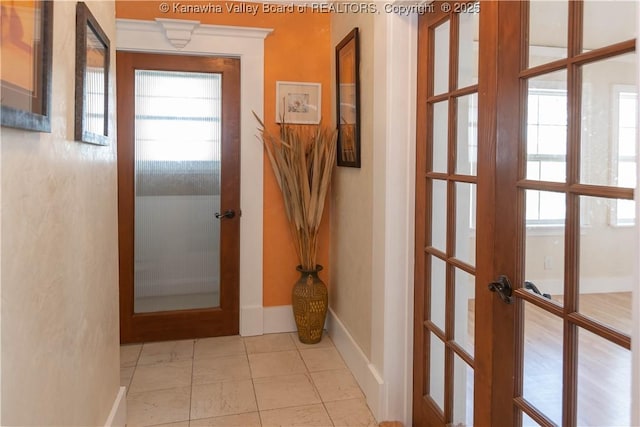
177	190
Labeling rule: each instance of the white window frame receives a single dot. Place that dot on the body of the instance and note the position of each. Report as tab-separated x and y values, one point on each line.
617	92
541	223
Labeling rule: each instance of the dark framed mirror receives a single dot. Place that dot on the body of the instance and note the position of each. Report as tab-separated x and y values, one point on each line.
348	100
25	82
92	79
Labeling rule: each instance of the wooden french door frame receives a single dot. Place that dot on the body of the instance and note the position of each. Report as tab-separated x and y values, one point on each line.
516	72
425	409
503	74
183	324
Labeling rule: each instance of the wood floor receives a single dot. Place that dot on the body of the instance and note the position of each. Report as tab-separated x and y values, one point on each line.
604	369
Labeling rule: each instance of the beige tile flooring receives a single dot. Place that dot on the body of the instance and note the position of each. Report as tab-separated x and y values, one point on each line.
269	380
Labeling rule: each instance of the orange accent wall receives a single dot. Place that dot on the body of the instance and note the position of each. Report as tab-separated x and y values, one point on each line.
299	49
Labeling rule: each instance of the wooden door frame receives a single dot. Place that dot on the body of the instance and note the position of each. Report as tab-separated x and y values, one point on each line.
496	317
493	390
172	325
152	36
499	342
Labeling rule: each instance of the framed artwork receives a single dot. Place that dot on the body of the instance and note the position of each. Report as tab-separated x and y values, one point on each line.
348	100
25	82
298	103
92	79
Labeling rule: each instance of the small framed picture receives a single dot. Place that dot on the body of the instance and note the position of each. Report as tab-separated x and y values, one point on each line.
92	79
348	100
298	102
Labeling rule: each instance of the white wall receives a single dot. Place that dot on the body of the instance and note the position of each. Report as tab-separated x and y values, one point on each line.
60	340
372	218
352	201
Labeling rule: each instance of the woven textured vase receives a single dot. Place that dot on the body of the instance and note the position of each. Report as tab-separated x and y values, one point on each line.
310	300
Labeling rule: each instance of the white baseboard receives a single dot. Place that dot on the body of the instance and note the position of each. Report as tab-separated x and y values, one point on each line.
118	415
251	322
365	373
278	319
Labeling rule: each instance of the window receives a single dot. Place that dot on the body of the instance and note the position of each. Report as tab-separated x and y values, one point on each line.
625	154
546	154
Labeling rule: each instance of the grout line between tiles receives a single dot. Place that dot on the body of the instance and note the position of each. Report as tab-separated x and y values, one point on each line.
253	385
139	354
245	354
313	383
135	368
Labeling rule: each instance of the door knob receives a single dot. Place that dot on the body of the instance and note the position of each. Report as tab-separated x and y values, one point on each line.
504	289
229	213
534	288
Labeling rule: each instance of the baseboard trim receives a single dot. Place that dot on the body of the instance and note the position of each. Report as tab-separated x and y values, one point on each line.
365	373
251	322
278	319
118	415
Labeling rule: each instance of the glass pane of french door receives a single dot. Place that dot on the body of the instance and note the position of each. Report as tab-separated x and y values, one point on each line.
177	190
576	185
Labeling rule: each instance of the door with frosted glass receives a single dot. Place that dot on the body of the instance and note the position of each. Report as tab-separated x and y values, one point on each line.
542	335
179	195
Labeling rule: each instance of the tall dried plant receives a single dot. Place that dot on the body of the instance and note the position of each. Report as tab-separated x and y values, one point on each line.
302	158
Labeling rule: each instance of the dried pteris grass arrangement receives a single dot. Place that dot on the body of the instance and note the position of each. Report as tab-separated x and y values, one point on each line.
302	158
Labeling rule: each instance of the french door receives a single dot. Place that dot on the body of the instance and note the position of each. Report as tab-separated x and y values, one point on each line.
524	206
179	196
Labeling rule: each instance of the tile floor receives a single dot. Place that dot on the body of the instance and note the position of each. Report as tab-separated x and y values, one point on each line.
269	380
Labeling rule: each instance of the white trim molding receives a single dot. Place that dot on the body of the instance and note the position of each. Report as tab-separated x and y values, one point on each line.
178	32
163	36
395	81
362	369
118	415
279	319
